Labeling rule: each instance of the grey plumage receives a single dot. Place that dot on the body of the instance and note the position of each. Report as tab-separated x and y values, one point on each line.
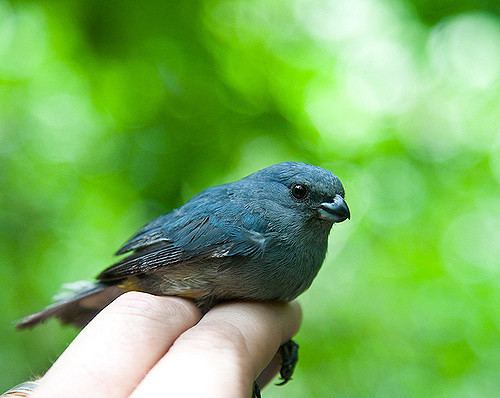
253	239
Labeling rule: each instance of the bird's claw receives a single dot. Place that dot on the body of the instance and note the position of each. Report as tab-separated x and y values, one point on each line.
289	357
256	391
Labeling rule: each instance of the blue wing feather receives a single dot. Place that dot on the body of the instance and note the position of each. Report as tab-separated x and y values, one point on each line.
202	229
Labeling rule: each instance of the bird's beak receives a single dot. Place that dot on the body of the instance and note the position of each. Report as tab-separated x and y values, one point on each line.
335	211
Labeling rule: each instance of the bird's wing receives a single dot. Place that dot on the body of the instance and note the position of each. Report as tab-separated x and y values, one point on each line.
189	216
151	234
181	237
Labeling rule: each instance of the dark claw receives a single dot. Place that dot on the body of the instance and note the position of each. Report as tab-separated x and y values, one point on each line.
289	358
256	391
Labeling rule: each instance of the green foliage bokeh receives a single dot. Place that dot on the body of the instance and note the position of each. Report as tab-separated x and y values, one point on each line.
112	113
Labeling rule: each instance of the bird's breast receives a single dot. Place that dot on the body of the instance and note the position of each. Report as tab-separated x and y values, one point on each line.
283	269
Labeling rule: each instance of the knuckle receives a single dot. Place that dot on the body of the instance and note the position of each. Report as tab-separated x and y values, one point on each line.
223	340
154	308
221	350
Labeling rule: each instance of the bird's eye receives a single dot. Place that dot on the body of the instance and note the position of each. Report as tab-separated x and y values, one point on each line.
299	191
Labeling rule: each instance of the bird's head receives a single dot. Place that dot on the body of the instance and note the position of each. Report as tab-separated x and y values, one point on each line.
309	189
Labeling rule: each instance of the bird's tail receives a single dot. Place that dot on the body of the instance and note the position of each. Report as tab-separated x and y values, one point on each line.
77	304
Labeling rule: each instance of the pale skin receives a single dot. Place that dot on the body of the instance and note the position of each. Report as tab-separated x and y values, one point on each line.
141	346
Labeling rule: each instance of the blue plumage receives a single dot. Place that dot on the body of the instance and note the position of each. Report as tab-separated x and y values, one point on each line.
263	237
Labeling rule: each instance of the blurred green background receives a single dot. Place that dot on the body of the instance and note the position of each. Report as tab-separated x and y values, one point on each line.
112	113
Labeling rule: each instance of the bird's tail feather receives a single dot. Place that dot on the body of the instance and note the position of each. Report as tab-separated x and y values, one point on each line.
77	304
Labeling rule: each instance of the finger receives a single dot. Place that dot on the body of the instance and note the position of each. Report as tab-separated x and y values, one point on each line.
224	353
270	371
114	352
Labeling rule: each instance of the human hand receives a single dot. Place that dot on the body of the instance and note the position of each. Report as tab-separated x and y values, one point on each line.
142	346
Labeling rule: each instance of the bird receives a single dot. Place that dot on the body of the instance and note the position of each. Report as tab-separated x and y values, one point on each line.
261	238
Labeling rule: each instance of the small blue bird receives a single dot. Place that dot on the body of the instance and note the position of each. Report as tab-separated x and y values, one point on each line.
263	237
